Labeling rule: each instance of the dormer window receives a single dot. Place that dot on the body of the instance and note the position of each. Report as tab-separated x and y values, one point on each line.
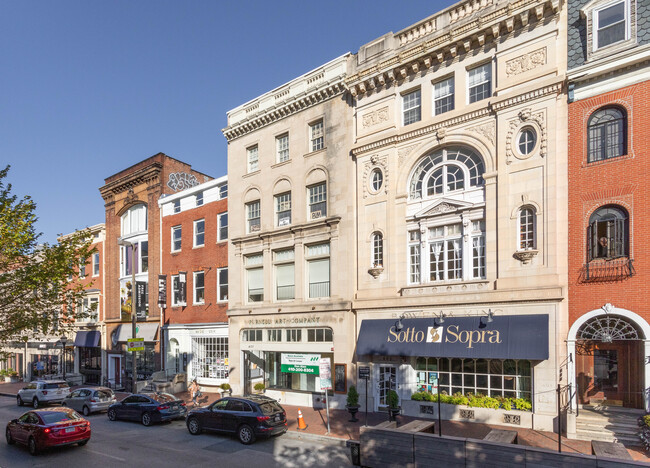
610	24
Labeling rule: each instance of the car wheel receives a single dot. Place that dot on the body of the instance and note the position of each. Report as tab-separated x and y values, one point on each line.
112	415
19	401
245	434
10	439
35	402
31	445
146	419
194	426
83	442
85	410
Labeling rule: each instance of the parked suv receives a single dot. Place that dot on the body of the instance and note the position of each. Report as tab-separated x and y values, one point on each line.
43	391
249	417
90	400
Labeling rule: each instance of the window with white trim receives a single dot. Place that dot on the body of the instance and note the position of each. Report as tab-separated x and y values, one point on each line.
377	250
199	199
319	335
607	134
285	281
96	264
283	209
443	96
414	256
318	270
611	24
251	335
223	191
177	235
222	284
210	357
479	82
316	136
282	148
199	233
376	180
253	216
222	230
317	197
274	335
527	228
294	335
82	267
179	285
411	107
134	221
177	206
199	287
254	277
253	158
141	258
526	141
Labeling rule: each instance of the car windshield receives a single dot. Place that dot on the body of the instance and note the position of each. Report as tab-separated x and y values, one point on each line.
49	386
59	416
270	407
104	394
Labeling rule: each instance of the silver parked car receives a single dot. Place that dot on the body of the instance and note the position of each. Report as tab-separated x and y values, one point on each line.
40	392
90	400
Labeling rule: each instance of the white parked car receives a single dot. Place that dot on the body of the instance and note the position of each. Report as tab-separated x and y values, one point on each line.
40	392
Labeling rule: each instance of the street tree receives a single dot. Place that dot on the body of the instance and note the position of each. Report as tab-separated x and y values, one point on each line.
39	282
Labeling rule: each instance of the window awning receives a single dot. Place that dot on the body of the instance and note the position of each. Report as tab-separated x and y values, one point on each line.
506	337
87	339
143	330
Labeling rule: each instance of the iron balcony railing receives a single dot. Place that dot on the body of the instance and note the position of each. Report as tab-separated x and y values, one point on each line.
609	270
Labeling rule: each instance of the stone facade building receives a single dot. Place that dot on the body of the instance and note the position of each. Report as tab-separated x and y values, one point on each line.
132	215
194	266
608	89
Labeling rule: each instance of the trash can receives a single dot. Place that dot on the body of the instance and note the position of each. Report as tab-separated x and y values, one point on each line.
355	452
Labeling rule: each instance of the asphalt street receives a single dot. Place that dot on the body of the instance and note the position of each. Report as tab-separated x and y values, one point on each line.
121	443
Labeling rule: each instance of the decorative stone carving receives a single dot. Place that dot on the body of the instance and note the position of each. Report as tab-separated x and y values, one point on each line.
608	308
526	62
537	121
442	208
467	414
376	161
402	153
131	198
181	180
512	419
376	271
375	117
441	134
487	130
525	256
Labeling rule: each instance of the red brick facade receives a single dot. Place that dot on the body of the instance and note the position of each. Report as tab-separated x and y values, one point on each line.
209	258
619	181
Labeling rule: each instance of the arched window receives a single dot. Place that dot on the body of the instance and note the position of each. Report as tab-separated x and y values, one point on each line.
527	228
134	221
447	170
608	235
607	129
377	250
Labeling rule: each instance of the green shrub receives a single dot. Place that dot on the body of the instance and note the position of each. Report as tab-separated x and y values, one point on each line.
419	396
478	401
393	399
646	420
353	396
523	405
259	386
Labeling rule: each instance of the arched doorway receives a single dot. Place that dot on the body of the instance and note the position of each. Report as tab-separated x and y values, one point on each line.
608	346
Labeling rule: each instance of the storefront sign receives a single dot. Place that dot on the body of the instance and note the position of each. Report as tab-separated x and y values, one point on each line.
506	337
325	372
300	363
162	291
141	299
364	372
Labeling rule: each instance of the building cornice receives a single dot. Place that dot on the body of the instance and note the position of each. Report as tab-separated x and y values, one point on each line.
469	26
623	60
149	175
439	128
330	222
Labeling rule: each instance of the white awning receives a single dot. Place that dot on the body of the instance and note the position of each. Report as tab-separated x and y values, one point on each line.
143	330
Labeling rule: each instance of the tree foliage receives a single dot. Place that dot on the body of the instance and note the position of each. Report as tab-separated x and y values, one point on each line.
39	283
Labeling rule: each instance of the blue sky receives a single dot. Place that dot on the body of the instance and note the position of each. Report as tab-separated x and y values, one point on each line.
89	88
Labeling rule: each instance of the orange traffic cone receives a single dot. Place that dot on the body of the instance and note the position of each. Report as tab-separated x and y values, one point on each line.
301	422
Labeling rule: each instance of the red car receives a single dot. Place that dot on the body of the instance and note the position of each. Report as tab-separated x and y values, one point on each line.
52	427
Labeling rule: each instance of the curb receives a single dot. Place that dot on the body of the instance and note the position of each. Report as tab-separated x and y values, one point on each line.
317	437
12	395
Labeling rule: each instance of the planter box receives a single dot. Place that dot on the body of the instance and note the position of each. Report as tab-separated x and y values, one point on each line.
10	379
429	410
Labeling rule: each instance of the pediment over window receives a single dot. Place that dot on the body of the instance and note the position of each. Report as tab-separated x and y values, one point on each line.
445	206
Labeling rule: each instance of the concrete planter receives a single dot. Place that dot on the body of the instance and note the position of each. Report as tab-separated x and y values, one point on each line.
429	410
12	379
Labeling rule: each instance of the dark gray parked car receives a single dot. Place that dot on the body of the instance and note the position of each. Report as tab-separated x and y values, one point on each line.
90	400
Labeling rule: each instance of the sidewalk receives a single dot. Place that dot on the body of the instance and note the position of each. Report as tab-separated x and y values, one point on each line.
341	428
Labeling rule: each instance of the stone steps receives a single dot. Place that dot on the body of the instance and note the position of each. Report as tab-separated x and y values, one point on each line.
608	423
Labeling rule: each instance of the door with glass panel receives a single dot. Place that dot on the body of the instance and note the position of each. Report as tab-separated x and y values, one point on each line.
387	380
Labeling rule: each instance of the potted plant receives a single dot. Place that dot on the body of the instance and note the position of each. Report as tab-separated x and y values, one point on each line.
11	375
226	388
393	405
353	402
259	387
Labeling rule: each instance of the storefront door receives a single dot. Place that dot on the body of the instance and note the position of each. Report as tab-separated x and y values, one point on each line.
387	380
115	371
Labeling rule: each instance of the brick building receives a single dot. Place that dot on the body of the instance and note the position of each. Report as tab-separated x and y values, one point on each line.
133	218
194	266
608	87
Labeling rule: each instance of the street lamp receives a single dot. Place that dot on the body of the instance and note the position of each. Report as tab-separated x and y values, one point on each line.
64	340
124	243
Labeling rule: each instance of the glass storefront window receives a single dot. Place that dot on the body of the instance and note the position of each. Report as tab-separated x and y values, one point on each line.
490	377
276	379
145	361
210	357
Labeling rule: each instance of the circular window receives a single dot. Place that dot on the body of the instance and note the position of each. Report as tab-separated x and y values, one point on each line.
526	141
376	180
